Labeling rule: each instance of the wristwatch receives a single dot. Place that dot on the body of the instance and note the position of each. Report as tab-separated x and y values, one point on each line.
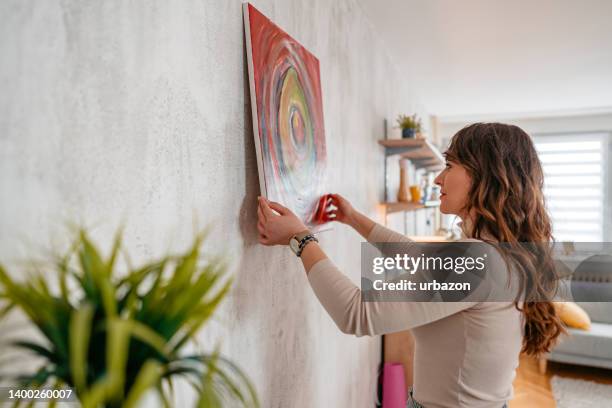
299	241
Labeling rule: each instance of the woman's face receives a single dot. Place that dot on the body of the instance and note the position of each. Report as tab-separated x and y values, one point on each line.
454	182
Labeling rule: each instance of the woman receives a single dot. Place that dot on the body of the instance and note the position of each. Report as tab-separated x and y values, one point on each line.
466	353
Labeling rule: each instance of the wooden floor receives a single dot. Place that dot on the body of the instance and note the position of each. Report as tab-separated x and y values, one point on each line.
532	389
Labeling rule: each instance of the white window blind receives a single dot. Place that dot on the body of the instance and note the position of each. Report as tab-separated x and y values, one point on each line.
575	179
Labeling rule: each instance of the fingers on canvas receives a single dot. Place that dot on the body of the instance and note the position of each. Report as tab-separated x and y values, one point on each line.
260	214
278	208
261	228
265	208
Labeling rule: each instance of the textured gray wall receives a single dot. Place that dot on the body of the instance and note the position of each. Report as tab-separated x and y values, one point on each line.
115	111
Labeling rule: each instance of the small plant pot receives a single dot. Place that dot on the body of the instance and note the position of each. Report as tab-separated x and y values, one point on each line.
408	133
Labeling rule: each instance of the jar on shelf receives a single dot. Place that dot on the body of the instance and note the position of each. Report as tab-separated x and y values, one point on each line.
415	193
403	193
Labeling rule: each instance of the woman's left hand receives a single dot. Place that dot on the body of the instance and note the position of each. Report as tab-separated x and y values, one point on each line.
276	228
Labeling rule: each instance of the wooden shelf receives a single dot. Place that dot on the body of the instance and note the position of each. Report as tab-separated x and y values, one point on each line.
393	207
421	152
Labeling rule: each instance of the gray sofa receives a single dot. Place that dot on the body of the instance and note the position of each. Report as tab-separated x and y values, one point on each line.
591	280
590	348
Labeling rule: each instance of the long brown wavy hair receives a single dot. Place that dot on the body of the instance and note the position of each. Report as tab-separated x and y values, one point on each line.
507	202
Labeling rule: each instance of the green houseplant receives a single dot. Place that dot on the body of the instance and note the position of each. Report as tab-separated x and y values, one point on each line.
410	125
113	338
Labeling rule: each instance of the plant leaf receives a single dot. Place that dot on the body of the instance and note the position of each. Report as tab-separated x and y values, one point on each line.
149	336
36	349
80	330
148	376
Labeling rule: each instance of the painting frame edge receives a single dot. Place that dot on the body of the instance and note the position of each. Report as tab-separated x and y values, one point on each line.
263	191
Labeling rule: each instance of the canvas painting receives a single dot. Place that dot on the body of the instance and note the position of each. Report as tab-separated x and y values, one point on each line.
287	114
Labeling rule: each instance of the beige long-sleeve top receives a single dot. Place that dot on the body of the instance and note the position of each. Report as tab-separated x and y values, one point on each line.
466	353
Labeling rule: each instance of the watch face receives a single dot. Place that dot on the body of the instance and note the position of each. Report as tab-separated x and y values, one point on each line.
294	245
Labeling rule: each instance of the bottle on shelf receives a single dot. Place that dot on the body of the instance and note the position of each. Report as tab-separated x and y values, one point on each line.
402	193
415	193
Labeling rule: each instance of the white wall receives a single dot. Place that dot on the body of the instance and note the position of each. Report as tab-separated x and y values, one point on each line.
490	56
139	112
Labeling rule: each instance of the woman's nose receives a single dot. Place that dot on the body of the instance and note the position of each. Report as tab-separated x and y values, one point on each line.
438	180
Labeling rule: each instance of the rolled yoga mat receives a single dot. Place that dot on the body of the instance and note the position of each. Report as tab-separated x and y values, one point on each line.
394	386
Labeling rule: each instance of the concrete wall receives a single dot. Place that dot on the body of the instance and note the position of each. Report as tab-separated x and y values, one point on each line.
138	112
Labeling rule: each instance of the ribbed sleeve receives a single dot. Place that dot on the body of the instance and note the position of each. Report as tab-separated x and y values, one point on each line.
342	300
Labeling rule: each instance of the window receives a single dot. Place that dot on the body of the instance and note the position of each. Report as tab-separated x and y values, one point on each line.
575	183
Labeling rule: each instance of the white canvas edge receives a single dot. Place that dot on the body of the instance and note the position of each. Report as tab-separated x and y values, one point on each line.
254	117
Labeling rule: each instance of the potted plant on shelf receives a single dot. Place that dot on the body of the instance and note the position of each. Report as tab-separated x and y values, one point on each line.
113	337
410	125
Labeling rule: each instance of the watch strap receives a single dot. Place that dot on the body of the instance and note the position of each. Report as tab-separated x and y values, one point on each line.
301	235
305	241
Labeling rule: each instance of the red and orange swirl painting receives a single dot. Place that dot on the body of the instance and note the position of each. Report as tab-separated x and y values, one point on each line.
288	116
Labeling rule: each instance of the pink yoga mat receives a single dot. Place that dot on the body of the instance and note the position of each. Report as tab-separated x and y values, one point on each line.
394	386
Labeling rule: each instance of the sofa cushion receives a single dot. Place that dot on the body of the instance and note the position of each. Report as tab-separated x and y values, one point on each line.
596	342
573	315
598	311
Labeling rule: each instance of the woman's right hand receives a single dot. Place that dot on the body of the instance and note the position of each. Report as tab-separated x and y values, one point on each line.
343	212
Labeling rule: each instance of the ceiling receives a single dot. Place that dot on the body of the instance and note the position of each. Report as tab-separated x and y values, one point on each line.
500	56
